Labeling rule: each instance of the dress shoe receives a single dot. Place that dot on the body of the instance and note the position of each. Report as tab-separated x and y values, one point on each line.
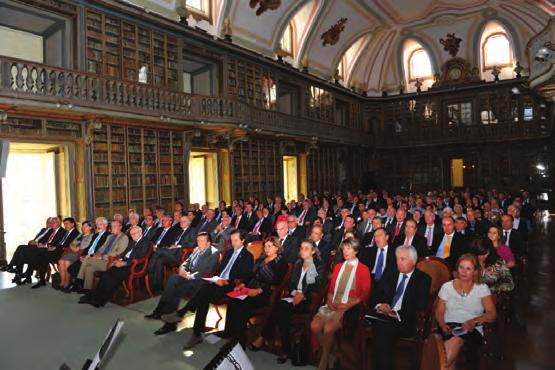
167	328
152	316
66	289
39	284
281	359
27	280
172	318
193	341
77	285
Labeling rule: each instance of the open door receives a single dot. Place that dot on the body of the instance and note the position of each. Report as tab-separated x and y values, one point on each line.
290	183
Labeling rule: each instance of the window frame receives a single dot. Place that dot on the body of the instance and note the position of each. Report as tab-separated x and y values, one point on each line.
409	66
291	52
200	14
486	67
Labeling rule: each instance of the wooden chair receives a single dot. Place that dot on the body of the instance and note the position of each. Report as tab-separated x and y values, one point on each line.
111	260
138	270
256	248
434	356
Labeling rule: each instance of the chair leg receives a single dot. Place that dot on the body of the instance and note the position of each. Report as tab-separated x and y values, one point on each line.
147	284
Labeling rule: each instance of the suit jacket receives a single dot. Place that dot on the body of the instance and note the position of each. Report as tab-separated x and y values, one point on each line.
138	249
290	248
457	249
119	246
363	226
418	242
367	255
242	267
309	217
436	237
391	231
187	239
42	239
265	227
205	264
515	242
249	221
152	233
306	288
415	297
68	239
219	238
58	236
299	233
207	226
242	222
100	241
325	249
169	237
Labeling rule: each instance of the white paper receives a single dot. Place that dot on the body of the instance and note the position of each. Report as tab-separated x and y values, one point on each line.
108	342
241	297
213	279
288	299
236	359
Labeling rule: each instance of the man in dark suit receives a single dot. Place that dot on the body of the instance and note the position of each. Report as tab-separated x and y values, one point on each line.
54	251
120	270
170	255
295	230
348	224
402	292
511	237
263	226
208	223
431	231
316	235
236	266
250	217
290	244
238	220
34	254
150	231
17	262
389	218
412	238
306	214
452	244
521	224
396	230
222	233
380	257
474	228
166	237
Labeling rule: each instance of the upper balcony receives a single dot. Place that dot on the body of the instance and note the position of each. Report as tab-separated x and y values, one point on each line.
24	83
481	112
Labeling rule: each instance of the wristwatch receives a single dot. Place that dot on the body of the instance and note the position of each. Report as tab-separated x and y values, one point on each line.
476	322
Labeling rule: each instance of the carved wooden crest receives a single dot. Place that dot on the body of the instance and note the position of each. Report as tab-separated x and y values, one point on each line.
451	44
331	36
264	5
456	71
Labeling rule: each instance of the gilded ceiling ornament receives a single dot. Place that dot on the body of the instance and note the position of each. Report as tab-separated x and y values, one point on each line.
331	36
451	44
264	5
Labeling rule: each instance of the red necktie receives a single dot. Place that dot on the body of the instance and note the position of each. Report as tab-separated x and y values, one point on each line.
237	222
397	229
301	219
255	231
51	236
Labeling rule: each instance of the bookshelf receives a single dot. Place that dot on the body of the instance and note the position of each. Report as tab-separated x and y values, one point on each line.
120	49
246	81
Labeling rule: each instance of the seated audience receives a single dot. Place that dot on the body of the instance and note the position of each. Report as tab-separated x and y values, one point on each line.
263	226
412	238
350	285
221	234
494	234
269	270
119	271
289	244
452	244
395	301
75	248
464	305
380	256
495	273
307	277
97	241
324	248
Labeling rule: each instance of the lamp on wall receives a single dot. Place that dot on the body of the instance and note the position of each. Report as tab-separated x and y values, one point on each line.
182	12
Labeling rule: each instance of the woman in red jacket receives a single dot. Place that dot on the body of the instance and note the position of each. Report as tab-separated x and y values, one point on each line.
350	285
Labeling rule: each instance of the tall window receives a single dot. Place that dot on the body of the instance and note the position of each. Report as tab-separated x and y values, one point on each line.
419	65
341	67
201	7
497	51
287	39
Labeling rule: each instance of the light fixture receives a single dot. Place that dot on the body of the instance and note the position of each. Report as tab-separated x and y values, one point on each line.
544	52
540	167
515	90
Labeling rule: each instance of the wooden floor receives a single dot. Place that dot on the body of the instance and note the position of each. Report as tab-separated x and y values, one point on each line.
528	340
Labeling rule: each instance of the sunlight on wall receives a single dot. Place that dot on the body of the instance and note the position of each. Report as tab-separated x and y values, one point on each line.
29	196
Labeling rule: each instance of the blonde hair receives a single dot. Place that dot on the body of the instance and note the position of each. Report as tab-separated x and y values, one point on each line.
275	242
470	257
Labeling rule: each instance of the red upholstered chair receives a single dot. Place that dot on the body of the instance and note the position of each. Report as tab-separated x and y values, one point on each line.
434	356
138	270
256	248
111	260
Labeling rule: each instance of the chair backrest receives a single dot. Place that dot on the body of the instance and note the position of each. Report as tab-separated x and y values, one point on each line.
278	289
434	356
256	248
437	269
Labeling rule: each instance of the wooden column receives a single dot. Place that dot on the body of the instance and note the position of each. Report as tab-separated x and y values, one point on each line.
225	175
80	183
302	174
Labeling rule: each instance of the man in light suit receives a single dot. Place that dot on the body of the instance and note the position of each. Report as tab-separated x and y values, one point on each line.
203	260
115	244
452	245
119	271
289	243
431	231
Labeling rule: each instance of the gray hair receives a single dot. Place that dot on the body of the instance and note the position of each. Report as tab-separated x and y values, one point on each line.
104	220
134	216
412	251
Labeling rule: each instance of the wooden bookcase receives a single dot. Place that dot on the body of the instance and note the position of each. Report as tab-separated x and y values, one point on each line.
322	169
119	49
245	81
136	168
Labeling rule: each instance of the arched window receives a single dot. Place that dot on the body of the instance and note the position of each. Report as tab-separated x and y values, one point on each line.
287	39
419	65
341	67
200	7
496	51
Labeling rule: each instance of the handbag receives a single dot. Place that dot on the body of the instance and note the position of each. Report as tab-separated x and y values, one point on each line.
56	280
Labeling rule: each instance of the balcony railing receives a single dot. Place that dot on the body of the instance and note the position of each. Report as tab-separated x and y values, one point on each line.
32	81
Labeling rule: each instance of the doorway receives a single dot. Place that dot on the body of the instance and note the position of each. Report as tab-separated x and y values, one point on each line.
457	173
203	179
290	187
36	186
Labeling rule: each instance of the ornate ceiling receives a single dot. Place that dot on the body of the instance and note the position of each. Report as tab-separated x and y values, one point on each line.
371	32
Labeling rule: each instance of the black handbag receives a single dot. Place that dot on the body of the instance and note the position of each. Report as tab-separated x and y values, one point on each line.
299	350
56	280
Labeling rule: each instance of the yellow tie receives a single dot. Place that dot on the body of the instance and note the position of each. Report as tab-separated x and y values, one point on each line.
447	247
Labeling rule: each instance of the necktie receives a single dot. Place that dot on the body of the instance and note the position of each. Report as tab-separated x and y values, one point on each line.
194	262
255	230
226	271
94	244
397	229
161	237
302	216
237	222
52	236
203	225
379	266
281	241
290	232
399	291
41	235
146	232
372	242
429	236
109	246
505	234
65	238
180	236
447	247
